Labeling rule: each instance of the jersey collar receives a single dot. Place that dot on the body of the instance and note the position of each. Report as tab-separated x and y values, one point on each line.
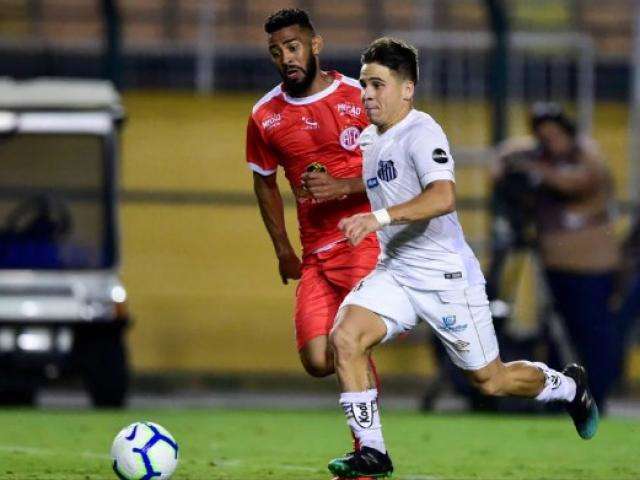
398	125
316	96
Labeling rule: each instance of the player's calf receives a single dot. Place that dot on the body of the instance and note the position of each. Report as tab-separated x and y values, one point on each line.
355	332
489	388
345	344
519	379
536	380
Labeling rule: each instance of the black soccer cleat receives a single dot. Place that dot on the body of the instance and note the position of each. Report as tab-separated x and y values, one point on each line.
583	408
366	462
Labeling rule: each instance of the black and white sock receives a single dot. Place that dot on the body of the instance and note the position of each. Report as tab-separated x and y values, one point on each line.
557	386
361	409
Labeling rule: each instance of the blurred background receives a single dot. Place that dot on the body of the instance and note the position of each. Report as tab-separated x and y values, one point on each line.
205	305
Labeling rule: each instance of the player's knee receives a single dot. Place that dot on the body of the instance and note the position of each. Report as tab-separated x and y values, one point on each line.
316	357
344	342
319	371
317	366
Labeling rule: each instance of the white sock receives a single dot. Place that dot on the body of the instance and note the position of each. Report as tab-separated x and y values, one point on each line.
557	386
361	409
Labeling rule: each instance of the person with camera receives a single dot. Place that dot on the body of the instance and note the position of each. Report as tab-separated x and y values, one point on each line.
559	185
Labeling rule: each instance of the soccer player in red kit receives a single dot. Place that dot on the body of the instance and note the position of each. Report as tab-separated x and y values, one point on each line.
309	125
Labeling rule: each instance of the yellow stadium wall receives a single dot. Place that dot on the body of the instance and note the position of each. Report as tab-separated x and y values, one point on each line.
202	279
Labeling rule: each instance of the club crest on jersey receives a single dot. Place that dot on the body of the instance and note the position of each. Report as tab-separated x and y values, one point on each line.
439	156
387	171
349	138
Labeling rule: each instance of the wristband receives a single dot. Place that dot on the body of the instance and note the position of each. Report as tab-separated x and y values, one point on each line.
382	216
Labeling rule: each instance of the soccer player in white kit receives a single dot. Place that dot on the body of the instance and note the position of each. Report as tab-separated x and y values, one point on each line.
426	270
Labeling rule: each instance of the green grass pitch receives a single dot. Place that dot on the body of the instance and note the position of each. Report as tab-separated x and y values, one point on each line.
259	445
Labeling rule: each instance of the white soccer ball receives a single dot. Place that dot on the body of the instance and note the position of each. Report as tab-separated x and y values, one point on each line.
144	451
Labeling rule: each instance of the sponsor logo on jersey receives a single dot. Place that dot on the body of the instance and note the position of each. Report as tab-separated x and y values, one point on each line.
372	182
349	138
452	275
439	156
387	171
272	121
449	325
349	109
310	123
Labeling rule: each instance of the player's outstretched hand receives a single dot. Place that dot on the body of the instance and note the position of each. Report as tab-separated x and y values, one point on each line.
323	187
358	226
290	267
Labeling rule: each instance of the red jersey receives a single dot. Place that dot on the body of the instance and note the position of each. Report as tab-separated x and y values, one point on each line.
295	132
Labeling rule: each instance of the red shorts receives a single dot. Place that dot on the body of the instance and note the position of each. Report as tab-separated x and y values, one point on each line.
327	277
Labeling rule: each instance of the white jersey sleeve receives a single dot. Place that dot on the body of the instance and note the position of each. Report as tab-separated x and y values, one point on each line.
431	156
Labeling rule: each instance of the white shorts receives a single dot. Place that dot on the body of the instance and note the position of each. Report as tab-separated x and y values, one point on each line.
460	318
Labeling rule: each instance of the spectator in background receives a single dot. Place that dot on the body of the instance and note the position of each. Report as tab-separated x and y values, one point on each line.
627	302
572	193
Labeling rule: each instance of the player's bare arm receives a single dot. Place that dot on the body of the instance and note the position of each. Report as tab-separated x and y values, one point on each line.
272	211
439	198
322	186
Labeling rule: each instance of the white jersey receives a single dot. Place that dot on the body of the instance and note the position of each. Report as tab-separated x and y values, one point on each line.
397	166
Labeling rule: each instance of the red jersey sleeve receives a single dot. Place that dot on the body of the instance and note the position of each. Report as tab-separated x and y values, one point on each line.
260	156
